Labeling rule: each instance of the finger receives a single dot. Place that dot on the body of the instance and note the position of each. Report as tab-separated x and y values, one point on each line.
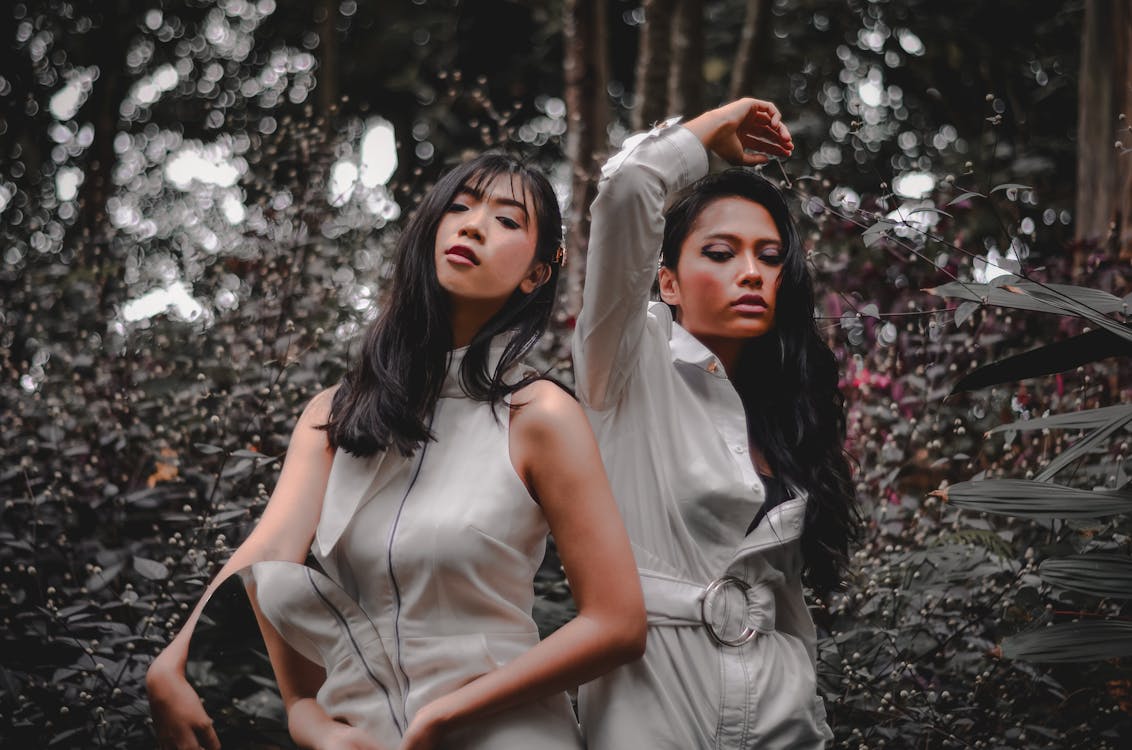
770	134
769	108
207	737
762	127
769	147
754	160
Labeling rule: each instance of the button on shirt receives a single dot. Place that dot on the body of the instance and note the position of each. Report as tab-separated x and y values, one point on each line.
673	436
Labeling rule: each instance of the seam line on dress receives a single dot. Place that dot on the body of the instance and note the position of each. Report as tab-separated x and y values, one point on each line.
722	699
389	555
357	649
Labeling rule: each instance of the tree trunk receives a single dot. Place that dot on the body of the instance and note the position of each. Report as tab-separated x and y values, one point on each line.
651	88
686	68
326	15
1104	112
752	39
586	73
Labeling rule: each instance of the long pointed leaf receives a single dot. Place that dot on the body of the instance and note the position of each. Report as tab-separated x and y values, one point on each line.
1072	642
1088	312
1057	357
1078	449
1102	575
1086	419
1026	295
1041	500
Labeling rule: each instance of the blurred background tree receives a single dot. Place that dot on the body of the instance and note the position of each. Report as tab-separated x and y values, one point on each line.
197	203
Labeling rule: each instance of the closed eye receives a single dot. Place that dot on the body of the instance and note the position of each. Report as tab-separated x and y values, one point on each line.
772	256
455	207
508	222
717	252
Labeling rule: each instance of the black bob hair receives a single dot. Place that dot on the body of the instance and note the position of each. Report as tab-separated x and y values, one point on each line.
787	380
387	396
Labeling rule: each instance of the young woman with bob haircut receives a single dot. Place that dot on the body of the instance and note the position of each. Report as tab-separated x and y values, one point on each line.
425	484
722	429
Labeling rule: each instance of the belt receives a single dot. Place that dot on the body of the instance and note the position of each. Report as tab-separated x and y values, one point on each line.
732	610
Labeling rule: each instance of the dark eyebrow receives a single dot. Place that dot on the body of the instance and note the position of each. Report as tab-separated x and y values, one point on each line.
736	239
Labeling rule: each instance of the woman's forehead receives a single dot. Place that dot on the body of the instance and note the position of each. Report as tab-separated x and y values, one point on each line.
736	216
506	187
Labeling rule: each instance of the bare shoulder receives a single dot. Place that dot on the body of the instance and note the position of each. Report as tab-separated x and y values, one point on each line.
546	410
317	410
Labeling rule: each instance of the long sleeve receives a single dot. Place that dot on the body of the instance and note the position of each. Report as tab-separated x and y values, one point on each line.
625	236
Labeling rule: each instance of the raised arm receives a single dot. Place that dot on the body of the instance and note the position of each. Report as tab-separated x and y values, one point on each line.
284	532
628	224
627	221
555	452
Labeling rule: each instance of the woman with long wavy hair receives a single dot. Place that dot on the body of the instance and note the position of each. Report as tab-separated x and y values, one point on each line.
424	485
722	428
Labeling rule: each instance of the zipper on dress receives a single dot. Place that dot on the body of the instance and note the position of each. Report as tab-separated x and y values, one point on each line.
389	556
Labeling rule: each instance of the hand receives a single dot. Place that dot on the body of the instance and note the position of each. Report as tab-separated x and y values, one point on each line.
743	126
424	730
345	737
179	717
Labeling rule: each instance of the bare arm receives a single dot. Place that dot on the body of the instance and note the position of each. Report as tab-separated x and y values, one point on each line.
284	532
556	454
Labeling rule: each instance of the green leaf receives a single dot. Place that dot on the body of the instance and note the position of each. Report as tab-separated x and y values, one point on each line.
1041	500
151	569
964	312
1060	299
876	232
1046	360
1072	642
1099	574
1021	295
964	196
207	449
1087	443
1009	186
1086	419
930	210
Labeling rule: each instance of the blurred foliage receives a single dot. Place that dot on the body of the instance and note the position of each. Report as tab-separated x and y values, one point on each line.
228	155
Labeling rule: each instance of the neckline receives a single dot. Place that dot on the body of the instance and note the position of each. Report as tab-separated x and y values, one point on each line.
451	387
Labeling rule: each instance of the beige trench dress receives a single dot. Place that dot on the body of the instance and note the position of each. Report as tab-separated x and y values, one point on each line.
673	437
431	561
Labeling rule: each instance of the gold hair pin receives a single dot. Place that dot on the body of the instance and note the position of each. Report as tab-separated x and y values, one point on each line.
560	256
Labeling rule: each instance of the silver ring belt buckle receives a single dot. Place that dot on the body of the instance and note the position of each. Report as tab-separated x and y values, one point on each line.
717	585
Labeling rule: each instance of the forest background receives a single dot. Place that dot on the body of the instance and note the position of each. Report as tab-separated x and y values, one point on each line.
198	199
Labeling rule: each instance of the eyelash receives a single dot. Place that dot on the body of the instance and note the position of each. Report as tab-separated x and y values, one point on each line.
504	220
721	256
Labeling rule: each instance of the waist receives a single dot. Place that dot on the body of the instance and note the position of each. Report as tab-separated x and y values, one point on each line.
733	611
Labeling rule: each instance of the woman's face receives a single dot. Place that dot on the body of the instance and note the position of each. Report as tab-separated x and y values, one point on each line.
485	243
726	280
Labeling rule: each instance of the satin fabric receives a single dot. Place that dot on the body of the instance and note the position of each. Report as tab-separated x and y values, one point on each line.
673	437
430	563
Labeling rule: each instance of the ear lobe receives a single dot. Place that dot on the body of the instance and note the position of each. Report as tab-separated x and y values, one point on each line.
669	286
538	276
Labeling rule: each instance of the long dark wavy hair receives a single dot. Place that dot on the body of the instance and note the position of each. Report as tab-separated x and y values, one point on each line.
387	395
787	380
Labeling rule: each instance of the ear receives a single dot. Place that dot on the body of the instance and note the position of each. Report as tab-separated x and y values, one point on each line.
669	286
539	275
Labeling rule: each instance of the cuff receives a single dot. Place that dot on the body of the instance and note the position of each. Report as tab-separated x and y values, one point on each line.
672	149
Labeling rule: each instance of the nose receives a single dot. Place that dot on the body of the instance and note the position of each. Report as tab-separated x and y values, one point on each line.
750	275
472	226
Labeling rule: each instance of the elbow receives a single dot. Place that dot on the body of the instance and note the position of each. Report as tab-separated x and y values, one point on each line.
628	639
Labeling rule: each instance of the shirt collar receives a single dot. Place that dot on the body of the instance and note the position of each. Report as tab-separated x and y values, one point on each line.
687	348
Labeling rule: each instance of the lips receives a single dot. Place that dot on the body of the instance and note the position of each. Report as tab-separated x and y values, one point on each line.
462	255
749	304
